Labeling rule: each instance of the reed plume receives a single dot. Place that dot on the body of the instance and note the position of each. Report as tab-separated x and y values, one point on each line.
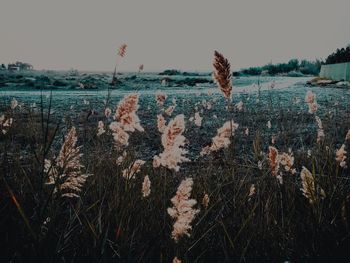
108	112
222	74
347	137
126	113
276	160
160	98
66	172
133	169
173	143
222	138
341	156
121	158
308	185
100	128
141	68
5	124
182	210
121	54
252	191
209	105
170	110
122	50
146	186
273	160
246	131
320	131
205	201
14	103
310	99
268	124
239	106
121	138
198	119
161	123
126	120
287	161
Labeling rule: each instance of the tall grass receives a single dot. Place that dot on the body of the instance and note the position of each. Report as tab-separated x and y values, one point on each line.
250	212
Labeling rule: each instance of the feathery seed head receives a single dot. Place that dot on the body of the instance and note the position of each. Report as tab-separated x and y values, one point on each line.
222	74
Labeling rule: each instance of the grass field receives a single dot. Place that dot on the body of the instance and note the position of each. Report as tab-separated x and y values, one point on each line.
69	194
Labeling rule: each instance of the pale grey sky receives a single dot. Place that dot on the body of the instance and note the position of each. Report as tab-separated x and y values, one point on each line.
182	34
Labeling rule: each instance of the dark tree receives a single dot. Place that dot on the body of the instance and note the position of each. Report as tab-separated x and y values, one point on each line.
339	56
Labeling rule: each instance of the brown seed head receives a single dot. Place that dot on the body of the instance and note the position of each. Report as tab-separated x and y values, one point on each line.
222	74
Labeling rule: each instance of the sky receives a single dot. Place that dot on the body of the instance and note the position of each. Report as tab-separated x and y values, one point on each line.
169	34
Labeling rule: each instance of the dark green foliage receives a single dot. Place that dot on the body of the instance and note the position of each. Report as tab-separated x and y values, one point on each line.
304	67
339	56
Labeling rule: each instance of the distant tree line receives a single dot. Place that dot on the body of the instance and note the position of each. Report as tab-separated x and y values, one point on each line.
339	56
293	66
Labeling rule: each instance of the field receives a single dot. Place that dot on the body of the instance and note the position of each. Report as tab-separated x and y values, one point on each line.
73	192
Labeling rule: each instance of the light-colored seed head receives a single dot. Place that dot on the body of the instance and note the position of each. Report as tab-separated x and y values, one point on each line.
66	171
133	169
308	185
222	138
173	143
146	186
205	201
182	210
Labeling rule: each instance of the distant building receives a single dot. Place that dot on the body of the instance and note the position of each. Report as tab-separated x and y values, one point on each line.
12	67
339	71
19	66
